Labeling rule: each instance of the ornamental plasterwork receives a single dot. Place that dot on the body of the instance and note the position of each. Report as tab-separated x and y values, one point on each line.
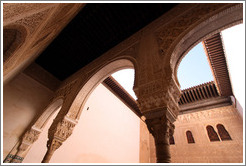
29	138
161	128
66	88
167	35
32	22
158	94
64	129
14	11
225	19
60	132
217	113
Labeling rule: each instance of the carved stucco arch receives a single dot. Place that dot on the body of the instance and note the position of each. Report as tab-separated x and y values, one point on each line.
48	112
95	79
223	20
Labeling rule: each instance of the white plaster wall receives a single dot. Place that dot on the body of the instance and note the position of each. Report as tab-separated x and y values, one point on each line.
234	42
23	100
109	132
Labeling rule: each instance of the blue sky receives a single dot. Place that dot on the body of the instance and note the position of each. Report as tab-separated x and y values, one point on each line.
194	68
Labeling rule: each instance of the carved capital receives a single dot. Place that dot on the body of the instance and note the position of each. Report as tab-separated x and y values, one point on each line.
158	94
62	131
162	129
58	133
29	138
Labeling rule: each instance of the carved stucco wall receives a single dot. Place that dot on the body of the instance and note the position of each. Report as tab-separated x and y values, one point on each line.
42	23
204	151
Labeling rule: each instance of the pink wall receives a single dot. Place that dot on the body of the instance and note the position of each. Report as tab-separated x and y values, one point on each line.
23	100
109	132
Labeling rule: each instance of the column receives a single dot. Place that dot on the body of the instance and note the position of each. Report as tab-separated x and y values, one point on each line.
55	144
161	128
59	131
160	109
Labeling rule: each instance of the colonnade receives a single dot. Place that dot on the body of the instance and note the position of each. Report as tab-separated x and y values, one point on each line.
155	53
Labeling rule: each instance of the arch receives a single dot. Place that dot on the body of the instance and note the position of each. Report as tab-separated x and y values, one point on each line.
189	136
213	136
223	133
13	37
94	80
48	112
223	20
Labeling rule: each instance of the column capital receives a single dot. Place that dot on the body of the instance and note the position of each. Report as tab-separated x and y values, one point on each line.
159	96
29	138
58	133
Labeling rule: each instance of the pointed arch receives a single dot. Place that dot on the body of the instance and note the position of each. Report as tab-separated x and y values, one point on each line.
213	136
223	133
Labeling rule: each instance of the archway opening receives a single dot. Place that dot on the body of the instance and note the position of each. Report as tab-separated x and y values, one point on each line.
194	68
107	131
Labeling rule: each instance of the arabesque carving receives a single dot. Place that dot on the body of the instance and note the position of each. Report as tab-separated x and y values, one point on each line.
31	22
15	10
158	94
168	34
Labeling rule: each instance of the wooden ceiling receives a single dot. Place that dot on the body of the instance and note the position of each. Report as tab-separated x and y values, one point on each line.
97	28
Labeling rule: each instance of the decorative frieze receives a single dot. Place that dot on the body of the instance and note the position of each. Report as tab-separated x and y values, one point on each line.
8	158
17	159
217	113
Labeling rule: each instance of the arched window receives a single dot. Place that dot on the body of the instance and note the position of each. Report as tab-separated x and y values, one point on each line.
213	136
224	135
189	136
171	140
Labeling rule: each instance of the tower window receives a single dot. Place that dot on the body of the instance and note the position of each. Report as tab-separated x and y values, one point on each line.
213	136
223	133
189	136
